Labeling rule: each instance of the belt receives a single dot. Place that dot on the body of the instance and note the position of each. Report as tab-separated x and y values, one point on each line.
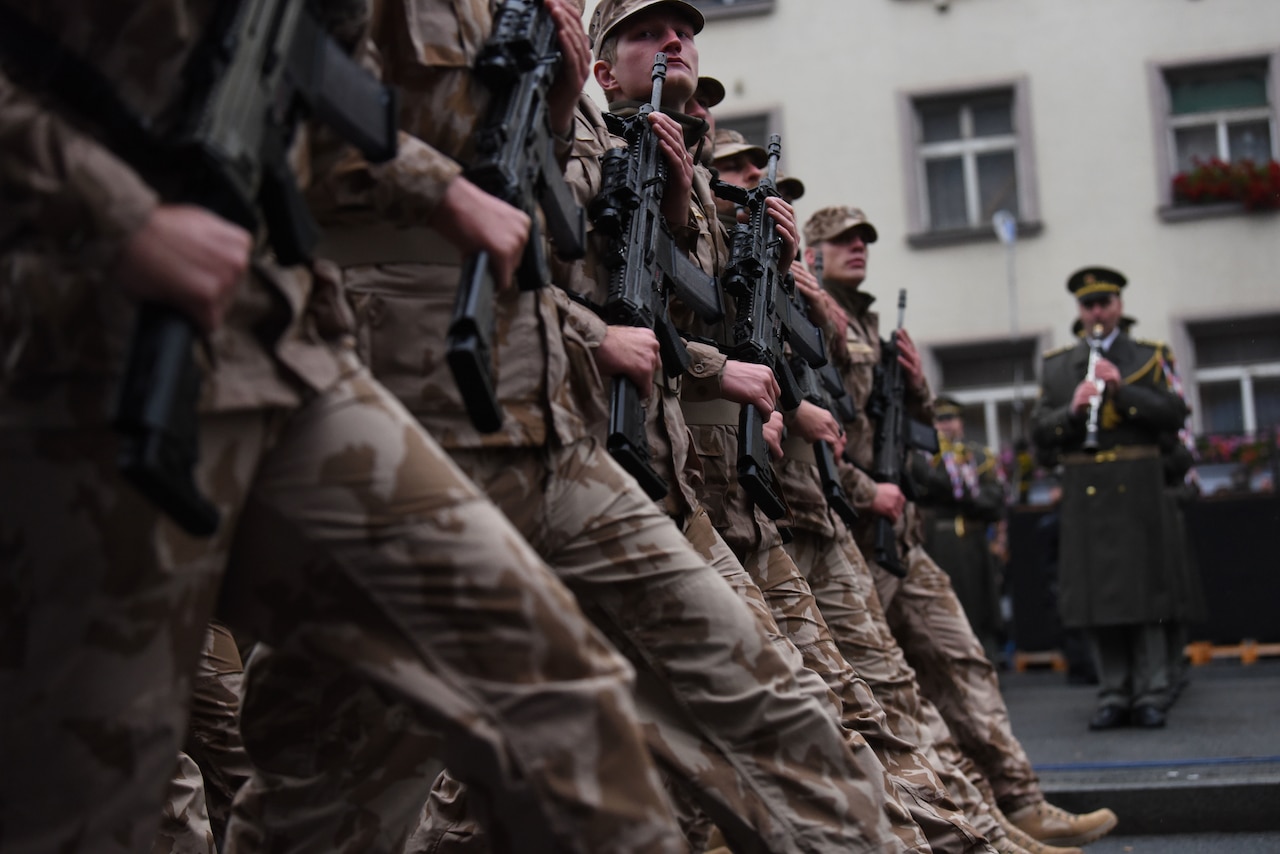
796	448
710	412
1111	455
382	243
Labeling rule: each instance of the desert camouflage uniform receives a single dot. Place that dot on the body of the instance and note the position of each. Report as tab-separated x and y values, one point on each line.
922	609
351	535
212	747
628	564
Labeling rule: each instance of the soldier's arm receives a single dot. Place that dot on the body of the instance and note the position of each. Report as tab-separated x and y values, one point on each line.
1160	409
61	188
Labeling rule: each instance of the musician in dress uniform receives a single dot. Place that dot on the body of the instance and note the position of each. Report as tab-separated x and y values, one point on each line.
1110	414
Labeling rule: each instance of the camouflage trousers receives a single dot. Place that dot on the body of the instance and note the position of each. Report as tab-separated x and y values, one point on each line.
212	750
842	584
725	713
955	674
918	806
350	538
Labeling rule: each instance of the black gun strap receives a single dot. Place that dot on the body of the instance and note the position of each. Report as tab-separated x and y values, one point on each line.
40	62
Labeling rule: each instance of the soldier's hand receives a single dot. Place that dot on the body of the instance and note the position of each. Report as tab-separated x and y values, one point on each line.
475	221
784	219
1108	373
188	258
821	304
889	501
1083	395
675	198
909	358
815	424
773	431
575	64
631	351
750	384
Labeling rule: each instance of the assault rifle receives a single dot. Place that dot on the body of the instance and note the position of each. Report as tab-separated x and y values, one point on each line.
645	268
823	388
515	161
261	68
896	435
768	318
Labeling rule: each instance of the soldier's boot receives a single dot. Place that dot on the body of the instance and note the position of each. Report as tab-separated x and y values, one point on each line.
1055	826
1023	842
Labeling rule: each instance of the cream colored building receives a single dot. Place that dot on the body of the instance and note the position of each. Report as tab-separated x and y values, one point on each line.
1072	114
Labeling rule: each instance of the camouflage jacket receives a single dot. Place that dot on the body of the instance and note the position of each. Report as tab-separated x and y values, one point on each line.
70	205
427	49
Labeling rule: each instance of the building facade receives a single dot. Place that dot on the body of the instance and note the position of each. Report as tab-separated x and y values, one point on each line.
1140	135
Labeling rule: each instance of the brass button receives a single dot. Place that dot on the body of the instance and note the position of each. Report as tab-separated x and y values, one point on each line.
1121	488
1133	410
1090	491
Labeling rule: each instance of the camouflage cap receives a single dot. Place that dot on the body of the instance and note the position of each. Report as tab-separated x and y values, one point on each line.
610	13
832	222
710	92
790	188
729	142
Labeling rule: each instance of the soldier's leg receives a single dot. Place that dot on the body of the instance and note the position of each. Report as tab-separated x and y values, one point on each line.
799	788
1111	654
956	675
213	733
184	823
845	595
104	607
1151	682
363	548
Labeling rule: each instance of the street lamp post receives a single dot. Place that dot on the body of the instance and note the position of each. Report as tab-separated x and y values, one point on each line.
1005	225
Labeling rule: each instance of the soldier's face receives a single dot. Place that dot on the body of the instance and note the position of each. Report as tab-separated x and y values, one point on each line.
844	259
1105	309
658	28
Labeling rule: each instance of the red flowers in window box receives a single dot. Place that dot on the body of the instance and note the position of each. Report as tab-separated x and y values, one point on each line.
1254	185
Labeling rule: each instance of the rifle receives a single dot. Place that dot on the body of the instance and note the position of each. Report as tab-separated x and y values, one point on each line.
896	435
645	268
768	319
823	387
261	68
515	161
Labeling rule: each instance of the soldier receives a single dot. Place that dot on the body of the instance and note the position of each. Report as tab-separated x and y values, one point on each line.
922	609
843	589
348	533
627	562
963	498
1109	413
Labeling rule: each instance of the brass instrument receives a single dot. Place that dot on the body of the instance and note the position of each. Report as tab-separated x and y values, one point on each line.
1095	400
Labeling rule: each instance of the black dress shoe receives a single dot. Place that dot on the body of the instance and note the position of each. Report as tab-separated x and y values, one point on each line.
1149	716
1109	717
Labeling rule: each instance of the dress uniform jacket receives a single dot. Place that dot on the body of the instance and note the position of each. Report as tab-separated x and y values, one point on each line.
1119	563
962	497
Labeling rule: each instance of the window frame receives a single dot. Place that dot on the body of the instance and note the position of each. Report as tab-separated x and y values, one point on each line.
1164	125
919	234
711	9
990	396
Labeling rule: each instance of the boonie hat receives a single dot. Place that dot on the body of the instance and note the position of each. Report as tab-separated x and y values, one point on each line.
610	13
834	221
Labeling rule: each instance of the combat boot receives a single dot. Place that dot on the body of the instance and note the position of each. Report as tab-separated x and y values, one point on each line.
1023	842
1055	826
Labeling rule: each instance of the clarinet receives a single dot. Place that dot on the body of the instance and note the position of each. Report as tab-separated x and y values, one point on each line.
1095	400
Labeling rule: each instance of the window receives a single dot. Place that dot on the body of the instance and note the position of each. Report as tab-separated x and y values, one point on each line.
1212	113
727	8
995	382
1237	375
970	157
754	127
